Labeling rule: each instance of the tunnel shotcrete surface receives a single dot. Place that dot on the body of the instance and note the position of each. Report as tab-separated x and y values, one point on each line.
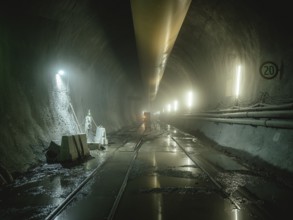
234	57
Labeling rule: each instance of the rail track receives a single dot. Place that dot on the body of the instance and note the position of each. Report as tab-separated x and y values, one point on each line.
206	168
210	171
62	206
124	183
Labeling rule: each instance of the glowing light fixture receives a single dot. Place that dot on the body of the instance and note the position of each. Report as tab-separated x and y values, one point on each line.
59	82
142	115
235	214
61	72
175	105
168	107
238	77
189	99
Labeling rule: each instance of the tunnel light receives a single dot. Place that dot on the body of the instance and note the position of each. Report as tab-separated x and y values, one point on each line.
169	108
189	99
61	72
175	105
142	115
235	214
238	76
62	82
59	82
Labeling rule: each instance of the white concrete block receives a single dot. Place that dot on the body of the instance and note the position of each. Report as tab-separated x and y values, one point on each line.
73	147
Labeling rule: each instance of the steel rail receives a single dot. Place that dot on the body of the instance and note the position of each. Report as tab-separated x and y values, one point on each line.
263	212
208	174
71	196
124	183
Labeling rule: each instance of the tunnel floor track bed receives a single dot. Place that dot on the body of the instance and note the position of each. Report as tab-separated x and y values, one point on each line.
168	174
161	172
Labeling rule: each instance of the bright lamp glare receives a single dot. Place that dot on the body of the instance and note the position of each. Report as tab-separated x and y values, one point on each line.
157	113
168	107
189	99
238	76
175	105
59	82
61	72
235	213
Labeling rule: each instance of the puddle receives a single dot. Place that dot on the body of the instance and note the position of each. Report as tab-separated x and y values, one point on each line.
35	194
157	197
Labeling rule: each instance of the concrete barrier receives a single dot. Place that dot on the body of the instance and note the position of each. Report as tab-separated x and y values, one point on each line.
73	147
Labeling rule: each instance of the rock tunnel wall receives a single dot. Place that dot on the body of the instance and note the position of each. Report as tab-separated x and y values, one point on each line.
36	41
93	42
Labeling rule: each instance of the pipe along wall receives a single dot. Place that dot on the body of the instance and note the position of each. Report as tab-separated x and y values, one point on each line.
265	135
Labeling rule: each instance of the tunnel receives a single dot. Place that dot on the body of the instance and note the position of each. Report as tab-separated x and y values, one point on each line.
216	72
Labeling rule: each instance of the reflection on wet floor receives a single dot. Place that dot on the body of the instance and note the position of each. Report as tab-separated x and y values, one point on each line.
129	146
35	194
177	204
164	183
170	186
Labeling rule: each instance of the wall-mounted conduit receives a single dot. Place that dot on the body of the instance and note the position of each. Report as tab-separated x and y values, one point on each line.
269	116
254	122
260	114
257	107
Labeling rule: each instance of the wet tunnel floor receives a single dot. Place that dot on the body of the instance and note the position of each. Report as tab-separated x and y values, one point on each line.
166	184
163	183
